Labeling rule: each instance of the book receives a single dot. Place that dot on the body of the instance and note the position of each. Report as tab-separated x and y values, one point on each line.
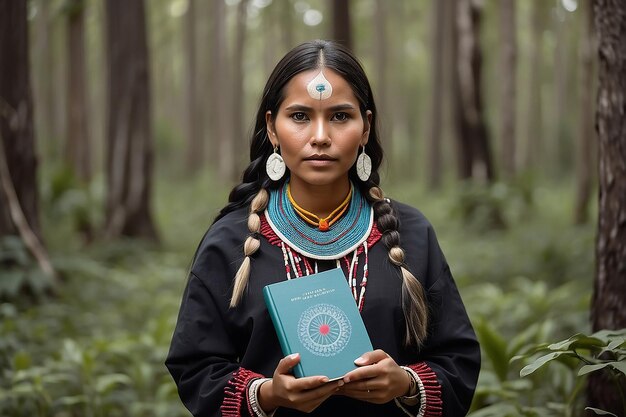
317	317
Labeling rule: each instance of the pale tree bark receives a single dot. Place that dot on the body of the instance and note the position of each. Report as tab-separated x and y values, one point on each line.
45	90
586	135
433	139
475	159
533	134
195	145
608	309
78	144
508	78
342	28
129	132
238	115
558	151
222	149
381	85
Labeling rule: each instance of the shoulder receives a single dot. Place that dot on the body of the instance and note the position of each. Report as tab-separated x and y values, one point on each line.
410	218
222	244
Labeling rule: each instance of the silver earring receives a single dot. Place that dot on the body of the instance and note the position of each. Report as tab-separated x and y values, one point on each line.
275	165
364	166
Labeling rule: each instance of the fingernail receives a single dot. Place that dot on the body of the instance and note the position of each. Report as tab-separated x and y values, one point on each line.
360	360
346	380
293	355
340	383
325	379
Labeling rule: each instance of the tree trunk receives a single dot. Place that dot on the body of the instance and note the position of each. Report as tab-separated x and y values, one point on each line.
508	74
608	310
342	29
16	117
222	146
240	159
587	134
129	133
475	158
77	146
533	126
195	148
433	139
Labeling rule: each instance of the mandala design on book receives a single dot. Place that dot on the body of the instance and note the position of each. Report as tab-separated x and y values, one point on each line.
324	329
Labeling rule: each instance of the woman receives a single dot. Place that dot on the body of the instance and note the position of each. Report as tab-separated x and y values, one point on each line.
309	201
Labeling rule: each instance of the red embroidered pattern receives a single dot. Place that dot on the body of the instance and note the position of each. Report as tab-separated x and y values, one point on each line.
434	405
235	392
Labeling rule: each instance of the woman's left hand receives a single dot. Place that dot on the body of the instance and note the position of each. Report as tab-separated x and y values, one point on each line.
379	379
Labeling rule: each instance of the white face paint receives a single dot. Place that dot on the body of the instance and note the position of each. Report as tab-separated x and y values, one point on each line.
319	87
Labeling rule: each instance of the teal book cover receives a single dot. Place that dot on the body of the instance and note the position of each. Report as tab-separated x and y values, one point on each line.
317	317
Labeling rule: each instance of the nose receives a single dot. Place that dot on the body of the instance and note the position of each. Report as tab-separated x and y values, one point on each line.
320	134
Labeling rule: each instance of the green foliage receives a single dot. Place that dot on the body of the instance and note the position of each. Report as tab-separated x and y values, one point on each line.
603	350
20	273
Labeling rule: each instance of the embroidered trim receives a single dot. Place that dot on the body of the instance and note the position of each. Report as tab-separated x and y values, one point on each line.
430	390
235	392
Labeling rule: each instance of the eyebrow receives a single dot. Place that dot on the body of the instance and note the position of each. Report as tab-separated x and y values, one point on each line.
338	107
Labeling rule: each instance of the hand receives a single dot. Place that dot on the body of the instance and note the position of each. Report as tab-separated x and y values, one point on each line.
379	379
302	394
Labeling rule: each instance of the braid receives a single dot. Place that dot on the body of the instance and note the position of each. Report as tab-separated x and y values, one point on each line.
250	246
413	297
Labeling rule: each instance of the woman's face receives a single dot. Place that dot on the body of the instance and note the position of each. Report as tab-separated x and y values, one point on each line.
319	137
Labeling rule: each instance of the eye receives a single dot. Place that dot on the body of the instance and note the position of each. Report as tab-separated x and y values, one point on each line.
299	116
340	117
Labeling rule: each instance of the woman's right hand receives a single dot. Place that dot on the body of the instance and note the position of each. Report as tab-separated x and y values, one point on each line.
302	394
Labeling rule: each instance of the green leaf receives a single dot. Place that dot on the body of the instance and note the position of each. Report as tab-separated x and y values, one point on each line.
591	368
578	341
495	347
21	361
600	412
539	362
105	383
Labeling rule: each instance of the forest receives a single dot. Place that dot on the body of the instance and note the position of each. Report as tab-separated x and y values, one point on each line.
125	124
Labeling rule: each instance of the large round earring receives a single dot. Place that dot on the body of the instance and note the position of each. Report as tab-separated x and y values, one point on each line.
275	165
363	166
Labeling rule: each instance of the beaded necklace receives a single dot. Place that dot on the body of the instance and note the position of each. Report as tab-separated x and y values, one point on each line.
348	237
311	218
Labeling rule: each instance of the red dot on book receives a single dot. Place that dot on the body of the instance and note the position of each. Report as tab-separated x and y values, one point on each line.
324	329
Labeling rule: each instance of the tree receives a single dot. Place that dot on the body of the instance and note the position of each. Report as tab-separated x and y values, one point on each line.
586	134
508	76
195	148
533	125
608	310
474	151
129	132
238	115
18	164
433	139
16	116
342	28
77	145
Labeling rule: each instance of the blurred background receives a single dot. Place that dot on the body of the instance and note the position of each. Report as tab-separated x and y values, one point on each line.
138	118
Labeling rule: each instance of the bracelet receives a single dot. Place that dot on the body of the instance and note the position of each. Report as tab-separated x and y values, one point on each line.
416	392
253	394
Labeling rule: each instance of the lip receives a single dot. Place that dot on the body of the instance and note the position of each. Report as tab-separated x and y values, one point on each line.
320	157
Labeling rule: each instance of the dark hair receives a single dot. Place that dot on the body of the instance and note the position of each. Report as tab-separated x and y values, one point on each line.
304	57
252	191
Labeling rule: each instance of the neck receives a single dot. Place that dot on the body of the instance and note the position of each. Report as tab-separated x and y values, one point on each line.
320	200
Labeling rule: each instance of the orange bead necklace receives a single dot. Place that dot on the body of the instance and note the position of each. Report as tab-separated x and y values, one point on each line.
323	224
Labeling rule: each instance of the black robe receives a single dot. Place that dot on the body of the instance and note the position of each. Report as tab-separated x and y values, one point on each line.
212	341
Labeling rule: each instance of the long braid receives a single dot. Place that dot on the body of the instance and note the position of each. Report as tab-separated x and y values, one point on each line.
414	303
250	246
